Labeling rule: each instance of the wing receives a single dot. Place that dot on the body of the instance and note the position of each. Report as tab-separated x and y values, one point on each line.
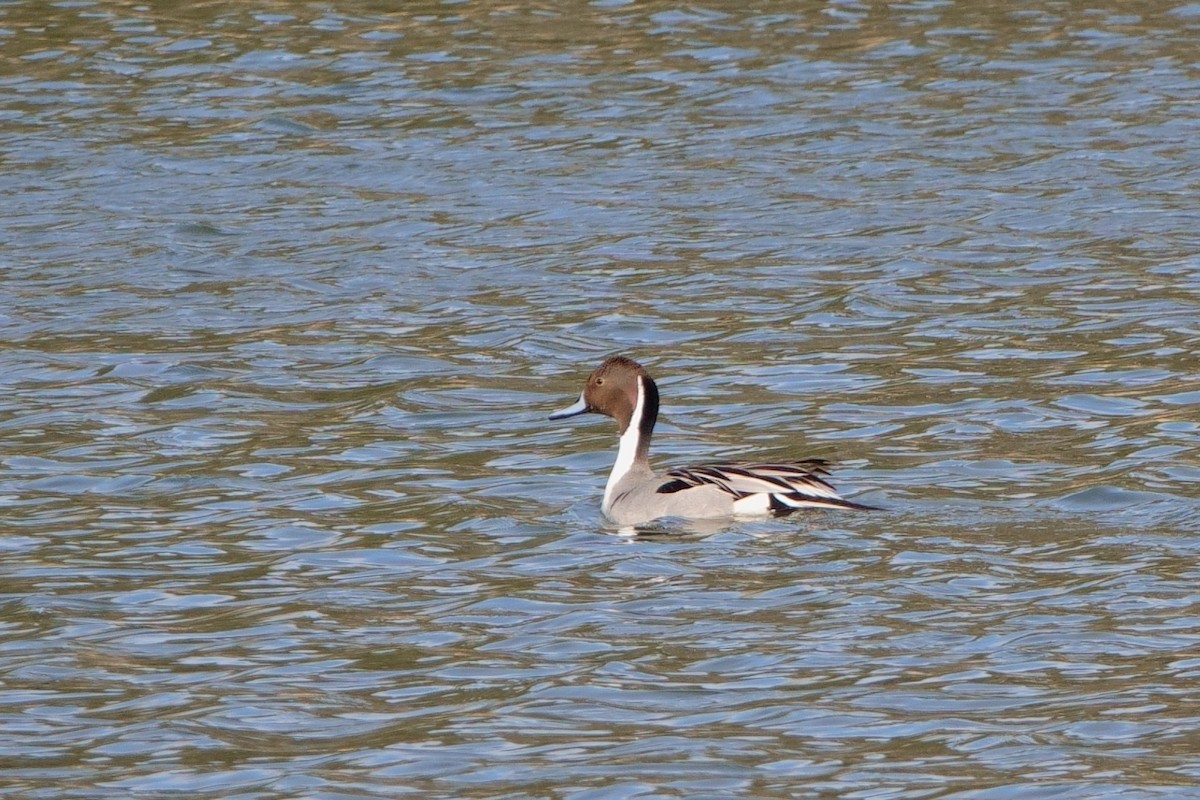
764	488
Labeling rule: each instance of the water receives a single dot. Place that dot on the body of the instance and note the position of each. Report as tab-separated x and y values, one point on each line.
290	289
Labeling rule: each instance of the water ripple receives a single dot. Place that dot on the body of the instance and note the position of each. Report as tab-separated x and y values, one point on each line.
293	290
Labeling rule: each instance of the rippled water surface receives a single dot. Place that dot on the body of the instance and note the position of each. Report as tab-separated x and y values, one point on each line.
289	289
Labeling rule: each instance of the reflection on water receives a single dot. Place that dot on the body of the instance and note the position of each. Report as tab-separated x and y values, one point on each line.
291	288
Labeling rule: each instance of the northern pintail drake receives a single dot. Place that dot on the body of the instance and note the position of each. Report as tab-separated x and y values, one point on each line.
622	389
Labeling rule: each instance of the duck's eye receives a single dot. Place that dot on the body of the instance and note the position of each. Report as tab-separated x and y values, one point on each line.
599	381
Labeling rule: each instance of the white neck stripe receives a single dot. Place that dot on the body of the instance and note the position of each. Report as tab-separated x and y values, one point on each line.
627	451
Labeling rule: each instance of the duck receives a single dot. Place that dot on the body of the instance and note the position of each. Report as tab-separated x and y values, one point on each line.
621	388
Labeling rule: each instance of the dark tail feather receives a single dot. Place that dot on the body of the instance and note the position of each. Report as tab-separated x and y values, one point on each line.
784	504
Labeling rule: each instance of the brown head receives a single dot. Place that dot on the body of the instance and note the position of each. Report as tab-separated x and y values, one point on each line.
613	389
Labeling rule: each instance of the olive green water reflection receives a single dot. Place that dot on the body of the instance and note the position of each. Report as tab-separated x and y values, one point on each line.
288	290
